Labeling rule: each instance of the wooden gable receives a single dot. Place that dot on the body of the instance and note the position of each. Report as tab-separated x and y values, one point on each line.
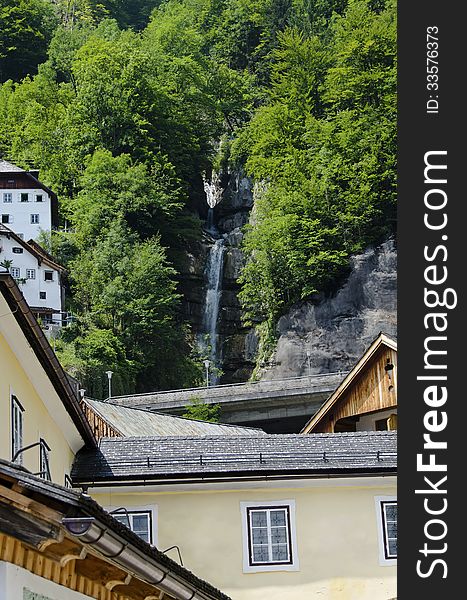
370	387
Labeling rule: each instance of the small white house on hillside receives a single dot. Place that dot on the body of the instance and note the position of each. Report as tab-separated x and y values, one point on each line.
39	277
27	206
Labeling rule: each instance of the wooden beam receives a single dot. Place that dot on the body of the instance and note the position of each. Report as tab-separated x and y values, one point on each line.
73	556
9	496
114	582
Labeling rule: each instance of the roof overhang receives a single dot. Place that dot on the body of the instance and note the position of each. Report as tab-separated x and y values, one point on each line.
24	335
381	340
63	525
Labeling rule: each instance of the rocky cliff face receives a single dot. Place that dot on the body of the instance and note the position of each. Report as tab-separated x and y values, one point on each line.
237	344
337	330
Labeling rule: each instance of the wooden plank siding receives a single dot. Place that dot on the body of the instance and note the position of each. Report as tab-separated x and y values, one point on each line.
374	390
100	427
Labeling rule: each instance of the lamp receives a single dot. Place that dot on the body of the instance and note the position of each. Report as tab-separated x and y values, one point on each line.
207	364
109	375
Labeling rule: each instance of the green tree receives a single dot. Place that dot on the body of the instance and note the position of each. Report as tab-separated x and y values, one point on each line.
201	411
26	27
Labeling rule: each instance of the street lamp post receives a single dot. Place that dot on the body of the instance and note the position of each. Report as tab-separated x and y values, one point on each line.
207	364
109	375
308	357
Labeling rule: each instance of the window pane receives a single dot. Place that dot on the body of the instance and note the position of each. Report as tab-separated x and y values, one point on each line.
122	518
277	517
278	535
258	518
391	512
279	552
392	530
392	547
260	554
260	535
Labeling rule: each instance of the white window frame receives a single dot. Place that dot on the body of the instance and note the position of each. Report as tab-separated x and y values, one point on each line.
9	218
248	567
41	196
8	195
51	278
30	273
40	295
15	272
21	197
34	219
380	501
17	438
152	509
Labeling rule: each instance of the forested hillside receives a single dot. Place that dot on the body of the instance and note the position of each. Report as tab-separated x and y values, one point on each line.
124	110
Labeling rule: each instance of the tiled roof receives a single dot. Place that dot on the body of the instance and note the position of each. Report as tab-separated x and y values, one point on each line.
8	167
135	422
161	458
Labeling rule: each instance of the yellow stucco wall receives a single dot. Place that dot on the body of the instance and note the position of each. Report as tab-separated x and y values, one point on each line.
37	421
337	540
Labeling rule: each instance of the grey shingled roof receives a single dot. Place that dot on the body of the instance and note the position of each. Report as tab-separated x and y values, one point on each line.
162	458
8	167
136	422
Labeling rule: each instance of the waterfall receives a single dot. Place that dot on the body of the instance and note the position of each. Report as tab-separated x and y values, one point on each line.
209	338
214	269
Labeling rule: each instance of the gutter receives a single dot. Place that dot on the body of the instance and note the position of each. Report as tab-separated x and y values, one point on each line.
238	477
146	568
47	358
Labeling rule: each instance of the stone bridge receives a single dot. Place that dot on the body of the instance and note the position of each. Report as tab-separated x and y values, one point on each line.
277	406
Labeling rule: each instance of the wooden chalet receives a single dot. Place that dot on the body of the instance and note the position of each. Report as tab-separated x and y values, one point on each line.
367	397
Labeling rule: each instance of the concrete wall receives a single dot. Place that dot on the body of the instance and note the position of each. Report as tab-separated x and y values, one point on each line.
336	531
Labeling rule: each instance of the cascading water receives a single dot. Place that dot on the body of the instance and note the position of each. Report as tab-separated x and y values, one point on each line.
208	340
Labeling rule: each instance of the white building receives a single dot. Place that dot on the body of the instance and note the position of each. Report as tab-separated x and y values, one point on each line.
27	206
37	274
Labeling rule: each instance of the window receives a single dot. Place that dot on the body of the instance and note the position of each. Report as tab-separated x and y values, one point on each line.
17	250
16	428
42	296
386	512
6	219
140	522
15	272
30	273
269	542
7	197
34	219
24	197
49	276
38	197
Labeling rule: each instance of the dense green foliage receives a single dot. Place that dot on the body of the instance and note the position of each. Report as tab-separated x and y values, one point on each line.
200	411
121	112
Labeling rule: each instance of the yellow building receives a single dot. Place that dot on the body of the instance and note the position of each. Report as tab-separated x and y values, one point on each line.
55	542
276	517
42	425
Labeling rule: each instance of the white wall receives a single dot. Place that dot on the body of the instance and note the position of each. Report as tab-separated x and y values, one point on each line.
367	422
21	211
14	580
32	287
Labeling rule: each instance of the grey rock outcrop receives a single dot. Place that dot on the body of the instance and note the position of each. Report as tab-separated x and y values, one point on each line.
337	330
